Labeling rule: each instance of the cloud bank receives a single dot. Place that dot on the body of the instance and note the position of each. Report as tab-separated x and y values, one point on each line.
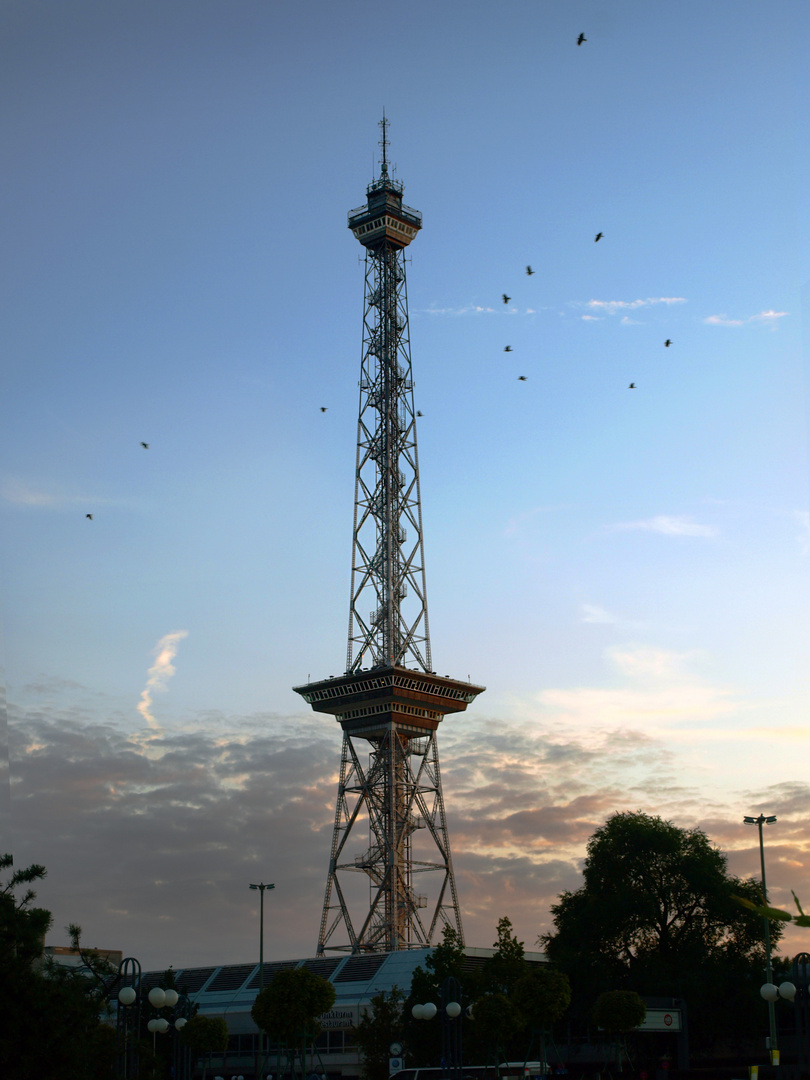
151	847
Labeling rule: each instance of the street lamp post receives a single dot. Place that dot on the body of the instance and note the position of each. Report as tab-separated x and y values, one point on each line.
450	1016
773	1043
261	887
128	980
163	999
260	1052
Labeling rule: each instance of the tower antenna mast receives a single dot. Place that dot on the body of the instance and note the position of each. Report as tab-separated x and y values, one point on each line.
390	708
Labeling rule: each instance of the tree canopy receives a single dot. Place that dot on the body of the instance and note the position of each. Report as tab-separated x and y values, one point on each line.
289	1007
377	1029
51	1015
205	1035
619	1011
657	913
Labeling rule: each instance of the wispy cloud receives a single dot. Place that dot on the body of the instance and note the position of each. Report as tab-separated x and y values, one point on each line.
613	307
22	493
592	613
667	525
477	309
768	318
159	674
468	309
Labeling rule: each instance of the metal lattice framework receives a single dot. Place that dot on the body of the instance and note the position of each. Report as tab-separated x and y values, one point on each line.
400	791
388	619
390	709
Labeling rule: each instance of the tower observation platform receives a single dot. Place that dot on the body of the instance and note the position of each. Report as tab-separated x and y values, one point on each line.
389	710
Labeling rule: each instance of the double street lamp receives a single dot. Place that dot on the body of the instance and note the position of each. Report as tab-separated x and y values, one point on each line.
450	1011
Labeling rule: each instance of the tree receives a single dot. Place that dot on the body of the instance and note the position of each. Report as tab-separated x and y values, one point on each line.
52	1016
497	1021
617	1012
508	964
205	1035
656	913
542	996
377	1029
288	1009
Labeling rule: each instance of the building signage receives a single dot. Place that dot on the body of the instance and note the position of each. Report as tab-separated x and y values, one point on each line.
661	1020
339	1018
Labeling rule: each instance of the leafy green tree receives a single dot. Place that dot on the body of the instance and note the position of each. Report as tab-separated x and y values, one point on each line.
497	1021
52	1016
508	965
22	927
656	913
378	1027
288	1009
205	1035
619	1011
542	996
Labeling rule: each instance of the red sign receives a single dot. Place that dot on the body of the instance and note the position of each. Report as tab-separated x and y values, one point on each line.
668	1020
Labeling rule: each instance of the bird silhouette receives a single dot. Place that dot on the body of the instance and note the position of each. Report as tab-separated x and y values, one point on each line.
521	378
598	237
90	516
506	298
581	38
632	386
507	348
324	408
529	271
418	413
145	445
668	342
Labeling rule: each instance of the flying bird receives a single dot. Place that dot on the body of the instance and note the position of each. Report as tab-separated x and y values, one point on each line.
507	348
506	298
598	237
668	342
90	516
581	38
418	413
521	378
632	386
145	445
529	271
324	408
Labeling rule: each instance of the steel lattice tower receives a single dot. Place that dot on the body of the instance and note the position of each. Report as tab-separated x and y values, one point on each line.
390	709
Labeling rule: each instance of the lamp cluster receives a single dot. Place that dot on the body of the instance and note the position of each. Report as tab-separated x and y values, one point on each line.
429	1010
771	992
158	999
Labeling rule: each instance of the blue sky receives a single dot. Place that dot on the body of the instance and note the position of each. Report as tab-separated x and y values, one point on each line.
626	571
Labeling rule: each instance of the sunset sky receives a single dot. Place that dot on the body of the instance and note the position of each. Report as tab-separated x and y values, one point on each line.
626	571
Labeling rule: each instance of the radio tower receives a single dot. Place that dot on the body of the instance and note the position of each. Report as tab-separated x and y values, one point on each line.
390	784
